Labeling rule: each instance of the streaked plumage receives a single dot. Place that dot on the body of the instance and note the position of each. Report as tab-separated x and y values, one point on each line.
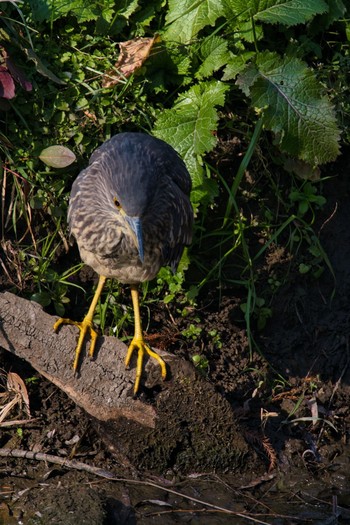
130	213
150	181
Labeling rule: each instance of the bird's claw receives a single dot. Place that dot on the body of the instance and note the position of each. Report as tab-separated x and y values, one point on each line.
85	327
141	347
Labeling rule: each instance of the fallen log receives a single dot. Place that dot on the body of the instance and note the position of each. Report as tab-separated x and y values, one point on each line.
188	425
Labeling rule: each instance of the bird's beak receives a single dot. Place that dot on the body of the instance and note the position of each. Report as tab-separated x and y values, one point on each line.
136	230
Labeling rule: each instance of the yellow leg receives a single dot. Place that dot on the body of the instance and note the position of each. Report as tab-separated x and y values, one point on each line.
139	344
86	326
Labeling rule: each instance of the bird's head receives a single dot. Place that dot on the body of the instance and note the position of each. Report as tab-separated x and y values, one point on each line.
129	172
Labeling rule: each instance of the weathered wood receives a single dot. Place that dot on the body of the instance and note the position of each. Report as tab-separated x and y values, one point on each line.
188	423
103	387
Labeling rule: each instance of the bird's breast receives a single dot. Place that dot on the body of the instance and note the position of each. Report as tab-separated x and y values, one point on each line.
126	269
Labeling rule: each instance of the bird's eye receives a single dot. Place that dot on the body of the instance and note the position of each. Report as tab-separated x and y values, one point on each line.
117	203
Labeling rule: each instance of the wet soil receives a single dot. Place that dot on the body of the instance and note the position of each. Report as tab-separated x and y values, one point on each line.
290	394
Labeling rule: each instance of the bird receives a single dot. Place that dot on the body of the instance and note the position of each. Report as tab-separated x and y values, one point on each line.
130	214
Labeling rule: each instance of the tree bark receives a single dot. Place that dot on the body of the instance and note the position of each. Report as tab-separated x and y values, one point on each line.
188	424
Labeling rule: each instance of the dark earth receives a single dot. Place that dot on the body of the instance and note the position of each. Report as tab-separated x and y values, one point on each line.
290	395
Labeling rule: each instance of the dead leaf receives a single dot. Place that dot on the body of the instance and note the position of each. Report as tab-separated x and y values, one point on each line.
16	394
57	156
133	53
302	169
18	74
7	85
17	385
313	406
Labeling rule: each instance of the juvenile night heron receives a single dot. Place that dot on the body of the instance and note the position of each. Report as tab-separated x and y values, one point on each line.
130	213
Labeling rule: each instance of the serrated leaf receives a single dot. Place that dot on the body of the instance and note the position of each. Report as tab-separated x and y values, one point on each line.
236	64
246	31
190	125
286	12
84	11
57	156
214	54
129	8
290	99
185	18
336	10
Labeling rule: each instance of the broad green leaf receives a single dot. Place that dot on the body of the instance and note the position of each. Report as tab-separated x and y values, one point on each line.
129	8
290	99
235	9
83	11
286	12
43	298
236	64
54	9
246	31
190	126
336	10
185	18
214	54
57	156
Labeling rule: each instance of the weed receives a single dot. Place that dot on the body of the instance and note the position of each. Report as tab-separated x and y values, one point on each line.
215	338
193	332
260	311
32	380
52	286
201	363
306	197
112	310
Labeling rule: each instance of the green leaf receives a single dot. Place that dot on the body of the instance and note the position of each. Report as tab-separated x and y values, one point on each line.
59	308
41	68
214	54
84	11
236	64
304	268
40	10
336	10
190	126
129	7
185	18
290	99
42	298
57	156
286	12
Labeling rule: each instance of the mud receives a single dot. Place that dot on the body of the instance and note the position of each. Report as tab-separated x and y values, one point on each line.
290	394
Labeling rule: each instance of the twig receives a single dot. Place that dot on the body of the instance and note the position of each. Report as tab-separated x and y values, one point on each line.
17	422
329	218
69	463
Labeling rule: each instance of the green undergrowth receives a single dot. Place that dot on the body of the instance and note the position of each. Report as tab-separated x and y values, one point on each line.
253	95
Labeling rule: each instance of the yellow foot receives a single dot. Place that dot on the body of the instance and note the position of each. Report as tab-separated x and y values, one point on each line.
85	327
139	344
